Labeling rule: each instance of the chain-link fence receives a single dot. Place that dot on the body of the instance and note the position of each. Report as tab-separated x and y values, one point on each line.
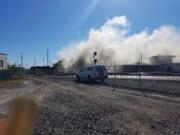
11	74
154	78
146	78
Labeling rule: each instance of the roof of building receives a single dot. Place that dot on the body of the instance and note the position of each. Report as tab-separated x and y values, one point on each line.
157	56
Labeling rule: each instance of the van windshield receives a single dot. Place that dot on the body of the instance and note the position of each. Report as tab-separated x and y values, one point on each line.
100	68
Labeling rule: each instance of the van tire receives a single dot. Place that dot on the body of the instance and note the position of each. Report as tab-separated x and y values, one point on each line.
102	80
89	78
78	78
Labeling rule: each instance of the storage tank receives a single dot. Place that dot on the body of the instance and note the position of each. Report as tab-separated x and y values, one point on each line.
162	59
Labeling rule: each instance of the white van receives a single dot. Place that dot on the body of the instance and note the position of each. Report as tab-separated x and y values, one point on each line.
92	73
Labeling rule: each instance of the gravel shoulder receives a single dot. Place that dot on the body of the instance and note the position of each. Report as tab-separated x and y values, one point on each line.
70	108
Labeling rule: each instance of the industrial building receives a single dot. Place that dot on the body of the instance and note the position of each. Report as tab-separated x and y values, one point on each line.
3	61
162	59
38	70
159	64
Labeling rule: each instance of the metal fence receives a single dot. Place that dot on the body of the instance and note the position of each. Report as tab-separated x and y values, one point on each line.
145	78
150	78
142	78
10	74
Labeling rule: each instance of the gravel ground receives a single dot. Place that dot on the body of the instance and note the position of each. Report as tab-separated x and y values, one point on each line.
70	108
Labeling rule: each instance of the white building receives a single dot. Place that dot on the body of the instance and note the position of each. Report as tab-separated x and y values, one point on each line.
3	61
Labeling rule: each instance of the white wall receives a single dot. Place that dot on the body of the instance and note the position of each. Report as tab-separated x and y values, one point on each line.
4	59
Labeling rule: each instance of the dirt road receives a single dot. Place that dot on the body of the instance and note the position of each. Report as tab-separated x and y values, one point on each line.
73	108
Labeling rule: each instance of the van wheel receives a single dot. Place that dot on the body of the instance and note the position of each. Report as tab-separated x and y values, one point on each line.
89	78
102	80
78	79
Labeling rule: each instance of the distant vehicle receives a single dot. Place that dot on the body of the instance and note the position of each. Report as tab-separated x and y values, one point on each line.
92	73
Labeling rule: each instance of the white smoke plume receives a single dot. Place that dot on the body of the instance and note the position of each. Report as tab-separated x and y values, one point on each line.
113	42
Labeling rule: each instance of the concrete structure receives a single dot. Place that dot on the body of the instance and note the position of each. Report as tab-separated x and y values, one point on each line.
162	59
3	61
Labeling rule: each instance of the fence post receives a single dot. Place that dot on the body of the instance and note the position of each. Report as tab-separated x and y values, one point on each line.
114	88
140	82
72	72
140	72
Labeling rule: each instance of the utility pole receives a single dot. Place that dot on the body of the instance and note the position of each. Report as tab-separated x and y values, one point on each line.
34	61
140	62
72	70
141	58
140	83
43	61
47	57
21	60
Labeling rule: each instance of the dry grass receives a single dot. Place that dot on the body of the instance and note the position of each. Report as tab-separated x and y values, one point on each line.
12	83
13	80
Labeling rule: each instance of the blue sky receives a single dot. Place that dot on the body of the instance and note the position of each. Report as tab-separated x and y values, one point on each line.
32	26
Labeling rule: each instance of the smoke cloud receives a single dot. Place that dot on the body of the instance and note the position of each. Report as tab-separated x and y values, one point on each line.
113	42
